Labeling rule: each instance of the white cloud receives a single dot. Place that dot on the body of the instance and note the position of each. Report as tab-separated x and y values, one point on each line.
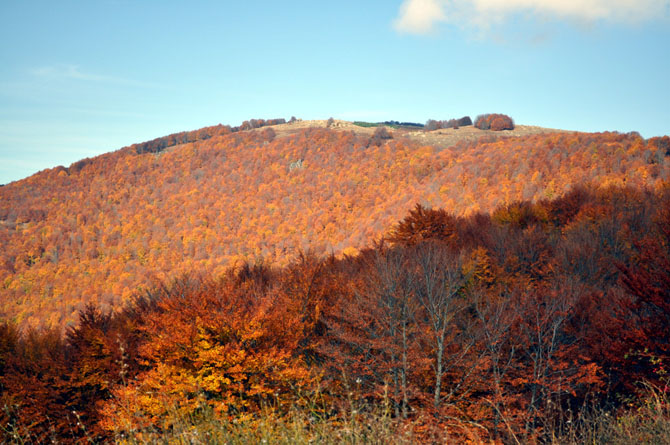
422	16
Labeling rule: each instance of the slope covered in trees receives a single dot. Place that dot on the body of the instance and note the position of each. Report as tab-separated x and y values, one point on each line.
501	327
105	227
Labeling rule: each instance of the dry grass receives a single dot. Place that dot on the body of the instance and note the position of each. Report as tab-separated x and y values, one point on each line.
647	422
309	424
448	137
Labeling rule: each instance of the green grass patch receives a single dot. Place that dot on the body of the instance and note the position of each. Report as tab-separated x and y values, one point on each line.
366	124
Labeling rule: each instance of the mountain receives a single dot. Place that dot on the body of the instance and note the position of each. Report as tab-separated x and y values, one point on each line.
105	228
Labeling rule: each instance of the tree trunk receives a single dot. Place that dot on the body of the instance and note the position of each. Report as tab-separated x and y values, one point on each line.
405	402
438	373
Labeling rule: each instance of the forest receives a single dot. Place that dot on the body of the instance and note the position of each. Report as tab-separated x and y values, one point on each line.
537	322
106	228
324	285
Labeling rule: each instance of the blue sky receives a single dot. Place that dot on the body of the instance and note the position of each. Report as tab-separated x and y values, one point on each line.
80	78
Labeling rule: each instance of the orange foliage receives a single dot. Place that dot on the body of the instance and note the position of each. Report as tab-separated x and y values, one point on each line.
507	320
231	347
105	228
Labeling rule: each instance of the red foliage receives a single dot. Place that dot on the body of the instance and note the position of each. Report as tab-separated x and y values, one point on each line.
494	122
424	224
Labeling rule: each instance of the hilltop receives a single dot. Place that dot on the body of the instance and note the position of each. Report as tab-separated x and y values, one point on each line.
442	137
107	227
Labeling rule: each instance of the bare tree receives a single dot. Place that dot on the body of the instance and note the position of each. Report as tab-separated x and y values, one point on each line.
391	285
496	318
544	313
439	282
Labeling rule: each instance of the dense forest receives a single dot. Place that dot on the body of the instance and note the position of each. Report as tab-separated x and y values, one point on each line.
292	284
106	228
535	322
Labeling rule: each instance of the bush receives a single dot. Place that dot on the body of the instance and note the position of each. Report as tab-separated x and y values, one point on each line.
380	135
494	122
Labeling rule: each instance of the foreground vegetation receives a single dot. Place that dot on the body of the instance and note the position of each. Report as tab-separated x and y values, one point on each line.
535	323
645	422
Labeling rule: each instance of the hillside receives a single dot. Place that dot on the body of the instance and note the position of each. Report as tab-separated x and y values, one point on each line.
106	227
537	323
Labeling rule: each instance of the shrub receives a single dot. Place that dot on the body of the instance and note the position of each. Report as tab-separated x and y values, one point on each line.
380	135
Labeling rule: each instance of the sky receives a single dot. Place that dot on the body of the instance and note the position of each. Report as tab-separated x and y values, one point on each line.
81	78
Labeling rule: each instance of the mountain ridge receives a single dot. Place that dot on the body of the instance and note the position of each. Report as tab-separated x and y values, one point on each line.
441	137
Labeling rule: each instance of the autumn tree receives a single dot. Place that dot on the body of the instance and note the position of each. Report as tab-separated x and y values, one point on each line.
431	125
496	315
494	122
34	388
374	335
647	279
423	224
553	367
240	353
439	282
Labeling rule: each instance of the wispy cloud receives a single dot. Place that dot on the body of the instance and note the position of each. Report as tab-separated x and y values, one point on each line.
424	16
73	72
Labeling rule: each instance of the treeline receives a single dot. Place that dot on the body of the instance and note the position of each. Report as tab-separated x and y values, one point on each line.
184	137
392	124
493	122
432	124
401	124
494	326
259	123
160	144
